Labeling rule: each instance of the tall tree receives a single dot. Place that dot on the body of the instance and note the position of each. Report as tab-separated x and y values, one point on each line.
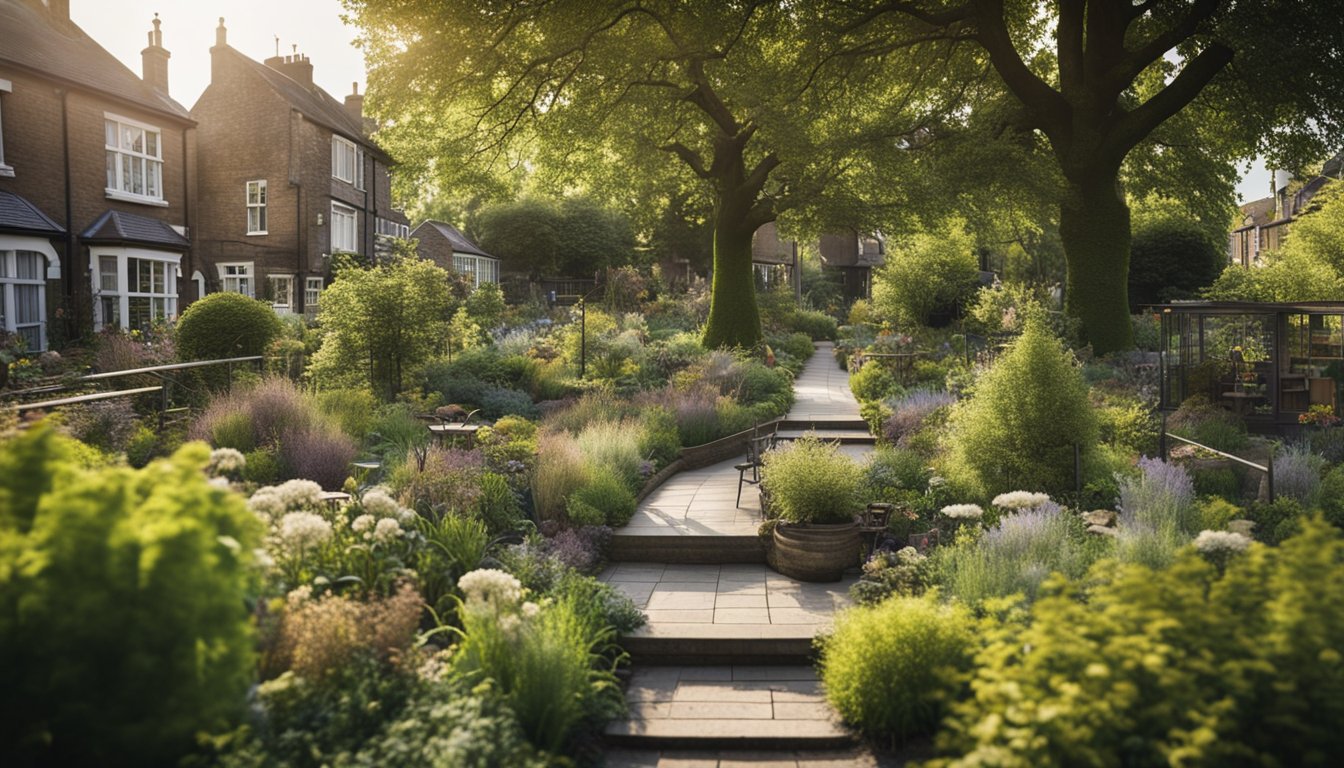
1100	79
573	90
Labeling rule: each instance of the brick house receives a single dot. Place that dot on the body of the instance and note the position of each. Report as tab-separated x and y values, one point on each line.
95	180
287	177
1263	224
446	246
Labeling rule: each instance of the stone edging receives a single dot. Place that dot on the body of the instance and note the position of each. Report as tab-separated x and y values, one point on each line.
724	448
658	479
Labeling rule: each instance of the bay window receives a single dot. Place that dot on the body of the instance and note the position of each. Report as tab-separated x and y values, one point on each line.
134	288
23	297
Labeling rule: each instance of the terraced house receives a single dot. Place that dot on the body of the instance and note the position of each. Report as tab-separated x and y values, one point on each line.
96	185
288	178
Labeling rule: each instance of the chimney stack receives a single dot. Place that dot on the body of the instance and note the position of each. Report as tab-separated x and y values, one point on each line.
354	104
154	60
217	52
296	67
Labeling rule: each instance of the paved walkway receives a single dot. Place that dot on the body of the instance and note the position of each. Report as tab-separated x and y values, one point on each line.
822	391
726	594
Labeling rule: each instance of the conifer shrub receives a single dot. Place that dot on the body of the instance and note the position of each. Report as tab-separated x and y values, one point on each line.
226	324
1019	428
123	621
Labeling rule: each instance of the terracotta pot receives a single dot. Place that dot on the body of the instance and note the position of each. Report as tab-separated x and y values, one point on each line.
816	552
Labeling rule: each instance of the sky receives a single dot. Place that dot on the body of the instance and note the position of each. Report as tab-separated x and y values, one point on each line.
314	25
188	27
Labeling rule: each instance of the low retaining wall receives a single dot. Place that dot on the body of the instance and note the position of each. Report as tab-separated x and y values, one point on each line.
652	483
722	449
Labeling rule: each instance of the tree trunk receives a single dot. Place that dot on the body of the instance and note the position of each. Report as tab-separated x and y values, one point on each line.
1094	229
734	320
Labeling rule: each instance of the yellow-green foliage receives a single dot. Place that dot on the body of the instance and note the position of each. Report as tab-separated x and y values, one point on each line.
123	625
226	325
894	668
1019	428
810	481
872	382
1174	667
933	272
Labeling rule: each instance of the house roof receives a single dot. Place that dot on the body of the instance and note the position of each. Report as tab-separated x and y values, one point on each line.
313	103
454	236
1259	212
768	248
120	227
16	213
33	41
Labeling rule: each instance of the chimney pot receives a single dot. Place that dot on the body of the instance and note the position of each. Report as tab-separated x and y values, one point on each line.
221	34
154	60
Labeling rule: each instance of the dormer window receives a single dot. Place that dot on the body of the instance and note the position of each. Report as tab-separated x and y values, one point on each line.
134	160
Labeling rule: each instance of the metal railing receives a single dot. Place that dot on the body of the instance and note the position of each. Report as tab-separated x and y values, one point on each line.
1267	467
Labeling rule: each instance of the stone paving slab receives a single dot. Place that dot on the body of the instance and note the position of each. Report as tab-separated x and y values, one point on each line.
850	758
822	391
739	594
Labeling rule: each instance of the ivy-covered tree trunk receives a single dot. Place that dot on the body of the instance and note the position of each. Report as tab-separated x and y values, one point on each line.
1094	229
734	320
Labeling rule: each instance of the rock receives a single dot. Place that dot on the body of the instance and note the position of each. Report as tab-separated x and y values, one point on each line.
1102	517
1244	527
1102	530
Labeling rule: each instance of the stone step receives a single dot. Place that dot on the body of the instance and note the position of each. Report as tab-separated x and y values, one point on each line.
842	436
852	757
709	549
720	707
666	643
820	424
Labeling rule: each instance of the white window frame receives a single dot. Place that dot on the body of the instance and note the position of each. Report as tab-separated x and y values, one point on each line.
117	303
233	275
391	228
281	290
256	206
6	169
344	228
359	168
344	164
480	269
312	292
151	165
11	284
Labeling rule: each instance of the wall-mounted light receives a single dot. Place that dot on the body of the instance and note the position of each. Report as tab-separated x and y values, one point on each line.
319	219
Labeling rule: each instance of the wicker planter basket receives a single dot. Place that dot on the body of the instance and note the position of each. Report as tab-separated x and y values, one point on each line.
816	552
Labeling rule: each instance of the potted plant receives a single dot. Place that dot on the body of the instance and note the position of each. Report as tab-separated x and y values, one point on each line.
814	493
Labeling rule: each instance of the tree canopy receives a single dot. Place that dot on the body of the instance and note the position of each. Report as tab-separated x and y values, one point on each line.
572	238
645	100
1173	89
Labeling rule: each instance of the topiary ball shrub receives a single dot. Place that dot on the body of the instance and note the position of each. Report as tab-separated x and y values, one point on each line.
894	668
123	617
226	325
1028	412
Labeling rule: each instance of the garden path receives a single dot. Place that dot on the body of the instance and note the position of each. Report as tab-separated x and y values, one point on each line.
722	672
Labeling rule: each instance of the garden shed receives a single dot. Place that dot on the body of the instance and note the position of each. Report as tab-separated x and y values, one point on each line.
1269	362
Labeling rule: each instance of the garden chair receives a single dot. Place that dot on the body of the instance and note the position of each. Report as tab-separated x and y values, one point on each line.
756	447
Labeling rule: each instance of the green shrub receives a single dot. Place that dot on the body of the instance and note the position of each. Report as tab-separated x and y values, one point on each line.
447	725
1135	666
1208	424
1222	482
872	382
498	506
355	411
123	621
927	278
607	494
1332	497
893	669
904	572
1128	424
1019	428
226	324
1213	514
142	447
658	438
1277	521
810	481
818	326
263	467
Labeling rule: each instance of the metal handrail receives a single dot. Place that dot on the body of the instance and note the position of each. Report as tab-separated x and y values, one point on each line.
84	398
1267	468
170	367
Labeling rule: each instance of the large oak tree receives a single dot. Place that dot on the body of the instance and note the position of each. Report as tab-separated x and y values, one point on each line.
723	98
1102	80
